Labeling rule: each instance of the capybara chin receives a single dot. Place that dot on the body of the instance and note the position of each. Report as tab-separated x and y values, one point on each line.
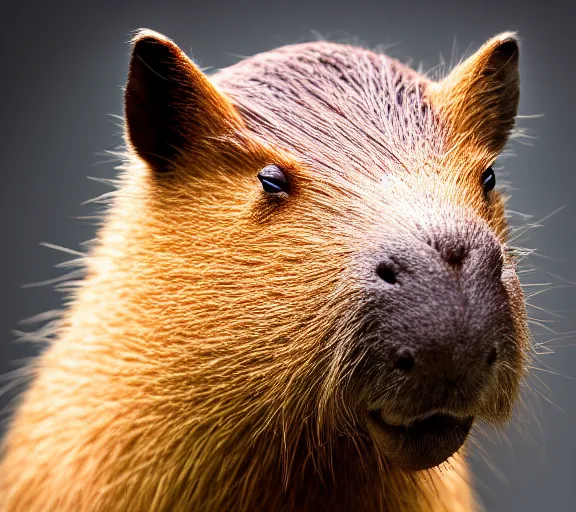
301	298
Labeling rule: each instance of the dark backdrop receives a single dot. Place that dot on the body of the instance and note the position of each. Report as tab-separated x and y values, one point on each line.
62	67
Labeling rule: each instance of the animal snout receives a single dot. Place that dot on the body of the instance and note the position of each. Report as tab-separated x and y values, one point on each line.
419	260
442	307
444	366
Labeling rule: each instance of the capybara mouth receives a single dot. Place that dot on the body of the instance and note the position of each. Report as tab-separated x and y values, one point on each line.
420	443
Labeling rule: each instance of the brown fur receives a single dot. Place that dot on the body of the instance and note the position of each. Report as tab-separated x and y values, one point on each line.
207	359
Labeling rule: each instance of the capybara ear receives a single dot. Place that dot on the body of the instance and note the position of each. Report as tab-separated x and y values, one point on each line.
479	98
171	108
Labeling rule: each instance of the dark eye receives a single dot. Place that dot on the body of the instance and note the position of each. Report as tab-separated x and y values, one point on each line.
488	180
273	179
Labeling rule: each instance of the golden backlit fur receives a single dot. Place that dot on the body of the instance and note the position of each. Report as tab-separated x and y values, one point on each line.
208	359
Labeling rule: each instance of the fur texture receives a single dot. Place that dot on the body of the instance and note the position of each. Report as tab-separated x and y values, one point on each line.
210	358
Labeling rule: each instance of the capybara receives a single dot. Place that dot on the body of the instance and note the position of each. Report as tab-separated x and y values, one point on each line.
301	296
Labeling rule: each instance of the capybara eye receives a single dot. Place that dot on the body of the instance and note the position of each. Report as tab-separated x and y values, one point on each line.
488	180
273	179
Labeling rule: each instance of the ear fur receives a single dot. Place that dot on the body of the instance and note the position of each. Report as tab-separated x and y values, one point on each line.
480	96
170	106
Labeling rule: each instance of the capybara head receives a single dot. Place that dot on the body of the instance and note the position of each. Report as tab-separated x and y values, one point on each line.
307	264
339	250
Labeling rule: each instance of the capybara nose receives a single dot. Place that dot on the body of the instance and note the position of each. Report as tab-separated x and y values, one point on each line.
451	248
441	298
444	366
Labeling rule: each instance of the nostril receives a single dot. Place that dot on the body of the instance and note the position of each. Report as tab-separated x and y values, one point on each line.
454	255
386	273
492	356
405	362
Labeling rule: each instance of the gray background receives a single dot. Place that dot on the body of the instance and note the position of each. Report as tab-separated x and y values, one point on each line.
62	67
